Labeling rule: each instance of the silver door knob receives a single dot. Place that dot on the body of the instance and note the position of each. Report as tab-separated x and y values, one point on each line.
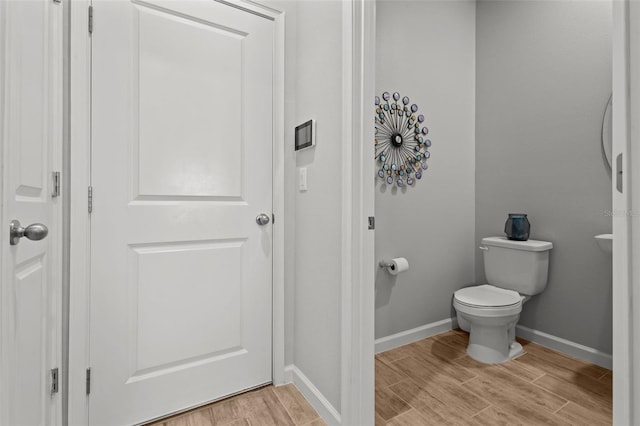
34	232
262	219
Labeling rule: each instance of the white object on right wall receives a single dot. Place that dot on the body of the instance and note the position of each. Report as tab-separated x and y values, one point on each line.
606	136
605	242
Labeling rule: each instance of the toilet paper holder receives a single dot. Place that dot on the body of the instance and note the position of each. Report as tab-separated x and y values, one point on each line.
394	266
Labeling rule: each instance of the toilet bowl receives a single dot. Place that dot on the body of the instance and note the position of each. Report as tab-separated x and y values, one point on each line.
490	315
515	270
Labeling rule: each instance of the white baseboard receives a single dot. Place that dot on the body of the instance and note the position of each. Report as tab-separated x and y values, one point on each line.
311	393
405	337
573	349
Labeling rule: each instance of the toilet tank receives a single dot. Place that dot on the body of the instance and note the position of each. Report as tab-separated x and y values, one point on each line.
521	266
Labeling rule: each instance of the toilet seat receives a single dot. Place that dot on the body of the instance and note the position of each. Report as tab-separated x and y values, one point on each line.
487	301
487	296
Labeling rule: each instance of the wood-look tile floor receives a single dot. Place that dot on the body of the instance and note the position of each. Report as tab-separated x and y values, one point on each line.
434	382
267	406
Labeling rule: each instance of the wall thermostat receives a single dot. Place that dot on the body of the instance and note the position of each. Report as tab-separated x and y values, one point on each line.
306	135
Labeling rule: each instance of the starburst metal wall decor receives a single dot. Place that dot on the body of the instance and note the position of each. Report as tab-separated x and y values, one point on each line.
400	138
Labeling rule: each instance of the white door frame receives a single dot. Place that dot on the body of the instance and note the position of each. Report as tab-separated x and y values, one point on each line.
80	165
358	266
626	208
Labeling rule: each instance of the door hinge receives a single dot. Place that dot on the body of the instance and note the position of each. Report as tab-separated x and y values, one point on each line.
55	191
88	381
54	381
372	222
90	198
90	19
273	218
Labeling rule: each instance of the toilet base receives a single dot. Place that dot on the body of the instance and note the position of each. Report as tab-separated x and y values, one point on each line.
515	350
492	341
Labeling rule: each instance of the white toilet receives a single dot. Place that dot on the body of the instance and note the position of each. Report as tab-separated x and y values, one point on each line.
515	271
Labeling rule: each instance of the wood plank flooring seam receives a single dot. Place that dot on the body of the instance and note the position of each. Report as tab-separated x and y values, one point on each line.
399	410
454	347
553	393
398	396
606	373
390	363
468	380
284	406
480	397
567	403
535	378
556	360
314	421
484	409
593	399
589	391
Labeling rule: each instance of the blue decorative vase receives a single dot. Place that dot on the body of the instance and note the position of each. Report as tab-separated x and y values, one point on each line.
517	227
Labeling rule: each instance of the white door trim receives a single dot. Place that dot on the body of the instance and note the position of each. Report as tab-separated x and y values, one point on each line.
80	131
626	243
357	400
4	368
633	187
79	229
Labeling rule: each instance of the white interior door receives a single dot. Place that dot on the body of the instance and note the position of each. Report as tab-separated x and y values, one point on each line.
30	132
181	167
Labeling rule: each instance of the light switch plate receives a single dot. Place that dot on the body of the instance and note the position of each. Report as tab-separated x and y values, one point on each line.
302	178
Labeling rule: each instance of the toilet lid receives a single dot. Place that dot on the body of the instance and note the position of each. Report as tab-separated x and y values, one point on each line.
487	296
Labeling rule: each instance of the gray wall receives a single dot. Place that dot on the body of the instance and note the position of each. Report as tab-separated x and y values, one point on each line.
543	78
426	50
317	297
313	89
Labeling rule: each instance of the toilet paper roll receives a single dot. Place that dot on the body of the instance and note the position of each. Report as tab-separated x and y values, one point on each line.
399	264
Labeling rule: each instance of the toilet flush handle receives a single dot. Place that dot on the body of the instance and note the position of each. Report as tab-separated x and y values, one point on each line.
485	248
